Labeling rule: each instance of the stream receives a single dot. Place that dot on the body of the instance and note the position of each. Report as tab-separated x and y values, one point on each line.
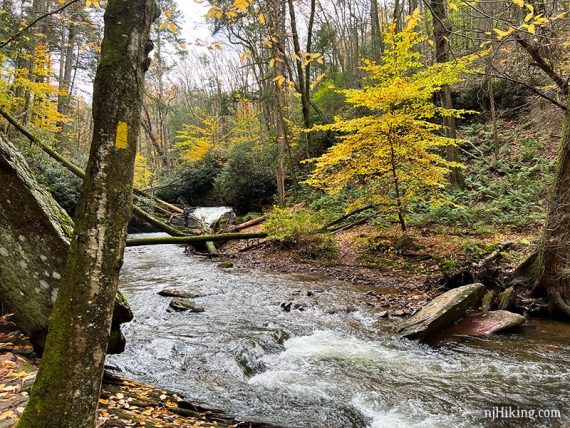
327	365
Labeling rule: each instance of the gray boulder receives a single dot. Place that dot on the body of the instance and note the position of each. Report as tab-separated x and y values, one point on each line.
442	311
181	304
34	238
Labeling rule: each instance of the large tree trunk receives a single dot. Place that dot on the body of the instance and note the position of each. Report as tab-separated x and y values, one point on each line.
442	32
67	387
554	251
278	51
34	239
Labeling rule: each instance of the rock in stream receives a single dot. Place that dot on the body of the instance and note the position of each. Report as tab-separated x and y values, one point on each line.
442	311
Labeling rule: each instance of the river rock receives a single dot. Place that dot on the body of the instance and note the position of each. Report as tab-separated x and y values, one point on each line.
176	292
225	265
181	304
442	311
484	323
506	299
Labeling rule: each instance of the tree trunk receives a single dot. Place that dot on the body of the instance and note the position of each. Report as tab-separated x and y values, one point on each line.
277	30
301	78
554	251
442	32
375	33
67	387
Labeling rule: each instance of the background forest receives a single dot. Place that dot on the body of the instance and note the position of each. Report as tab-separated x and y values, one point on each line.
226	120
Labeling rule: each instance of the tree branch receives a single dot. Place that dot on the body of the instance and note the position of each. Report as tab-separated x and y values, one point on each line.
34	22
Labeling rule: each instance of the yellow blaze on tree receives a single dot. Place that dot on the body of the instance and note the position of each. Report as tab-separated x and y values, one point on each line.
391	153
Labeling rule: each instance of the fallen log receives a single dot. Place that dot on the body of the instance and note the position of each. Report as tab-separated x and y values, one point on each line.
212	250
347	216
34	238
162	240
250	223
74	169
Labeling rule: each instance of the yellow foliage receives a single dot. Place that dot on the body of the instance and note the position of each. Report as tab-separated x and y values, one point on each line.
393	153
220	134
143	174
19	85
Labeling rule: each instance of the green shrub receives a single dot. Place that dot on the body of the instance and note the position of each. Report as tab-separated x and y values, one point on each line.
298	228
194	184
247	180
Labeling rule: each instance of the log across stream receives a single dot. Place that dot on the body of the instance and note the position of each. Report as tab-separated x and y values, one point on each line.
323	364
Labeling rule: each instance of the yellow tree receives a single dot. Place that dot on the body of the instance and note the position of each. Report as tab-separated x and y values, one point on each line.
221	134
392	153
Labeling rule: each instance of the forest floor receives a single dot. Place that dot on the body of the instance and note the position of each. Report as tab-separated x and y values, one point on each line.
366	255
123	402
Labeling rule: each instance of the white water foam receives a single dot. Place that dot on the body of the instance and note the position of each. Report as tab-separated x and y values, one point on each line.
210	214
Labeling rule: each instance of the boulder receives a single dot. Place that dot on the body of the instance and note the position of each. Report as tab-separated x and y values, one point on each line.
487	301
442	311
34	237
483	323
181	304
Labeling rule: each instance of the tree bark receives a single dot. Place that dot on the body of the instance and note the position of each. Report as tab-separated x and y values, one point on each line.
375	30
278	52
301	78
67	387
442	32
554	251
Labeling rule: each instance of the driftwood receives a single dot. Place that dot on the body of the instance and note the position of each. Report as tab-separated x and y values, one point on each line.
137	242
250	223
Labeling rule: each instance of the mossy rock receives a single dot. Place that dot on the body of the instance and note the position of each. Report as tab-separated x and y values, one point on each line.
34	238
442	311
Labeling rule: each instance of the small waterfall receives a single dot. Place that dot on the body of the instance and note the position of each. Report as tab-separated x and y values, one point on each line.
210	214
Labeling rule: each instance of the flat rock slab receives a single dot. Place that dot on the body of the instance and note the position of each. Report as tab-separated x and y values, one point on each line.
442	311
484	323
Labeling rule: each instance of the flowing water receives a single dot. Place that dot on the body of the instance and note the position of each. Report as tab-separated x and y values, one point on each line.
210	214
327	365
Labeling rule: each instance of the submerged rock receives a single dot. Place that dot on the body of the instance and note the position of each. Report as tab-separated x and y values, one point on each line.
484	323
181	304
225	265
176	292
442	311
